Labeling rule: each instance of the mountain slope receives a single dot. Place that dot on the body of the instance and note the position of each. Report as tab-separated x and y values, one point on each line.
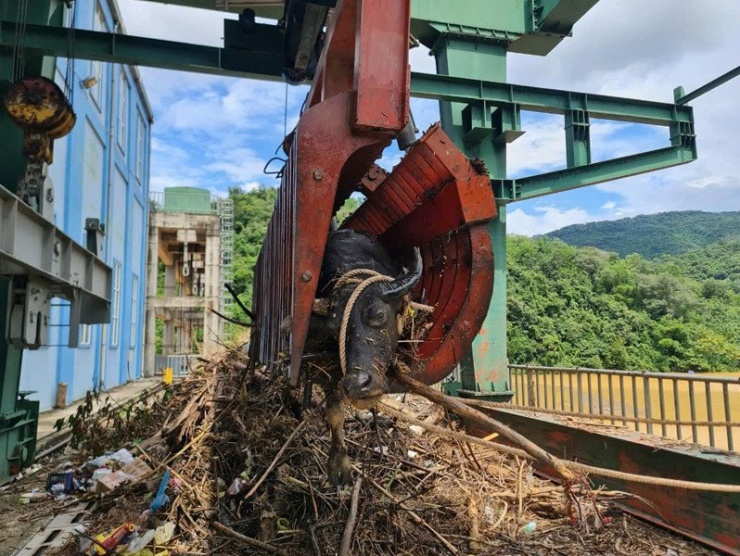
579	306
654	234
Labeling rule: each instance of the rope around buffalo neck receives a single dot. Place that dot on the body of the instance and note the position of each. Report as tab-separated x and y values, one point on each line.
356	277
374	277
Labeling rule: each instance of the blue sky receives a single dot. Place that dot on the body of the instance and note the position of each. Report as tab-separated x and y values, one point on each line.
217	132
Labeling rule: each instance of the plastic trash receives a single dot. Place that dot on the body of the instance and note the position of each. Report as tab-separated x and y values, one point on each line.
164	533
139	542
529	528
29	497
101	472
236	487
123	456
161	499
110	540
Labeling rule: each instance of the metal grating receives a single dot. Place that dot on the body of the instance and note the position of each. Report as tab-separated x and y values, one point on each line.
273	277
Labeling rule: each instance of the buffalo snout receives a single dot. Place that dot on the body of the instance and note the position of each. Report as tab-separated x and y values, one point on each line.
363	384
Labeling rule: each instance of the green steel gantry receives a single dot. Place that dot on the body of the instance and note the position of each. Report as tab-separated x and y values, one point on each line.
479	110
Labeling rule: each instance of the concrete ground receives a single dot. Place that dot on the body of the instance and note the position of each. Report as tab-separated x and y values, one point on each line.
46	432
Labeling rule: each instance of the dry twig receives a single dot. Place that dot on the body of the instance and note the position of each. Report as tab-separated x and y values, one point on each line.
344	549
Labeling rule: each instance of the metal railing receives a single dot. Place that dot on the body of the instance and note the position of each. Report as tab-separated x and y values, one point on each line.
672	405
181	365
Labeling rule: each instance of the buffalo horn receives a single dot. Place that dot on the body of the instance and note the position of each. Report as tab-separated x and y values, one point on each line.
403	284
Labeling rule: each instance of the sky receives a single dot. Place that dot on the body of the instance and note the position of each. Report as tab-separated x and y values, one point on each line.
219	132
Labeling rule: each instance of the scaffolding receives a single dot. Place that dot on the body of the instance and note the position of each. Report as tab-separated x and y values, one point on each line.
225	211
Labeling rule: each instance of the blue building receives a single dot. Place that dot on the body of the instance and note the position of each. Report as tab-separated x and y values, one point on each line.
100	170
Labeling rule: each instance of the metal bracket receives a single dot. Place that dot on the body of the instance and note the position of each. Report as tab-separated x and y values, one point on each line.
35	188
29	312
94	238
43	262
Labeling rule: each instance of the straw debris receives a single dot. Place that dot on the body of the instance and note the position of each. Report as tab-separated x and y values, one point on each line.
247	462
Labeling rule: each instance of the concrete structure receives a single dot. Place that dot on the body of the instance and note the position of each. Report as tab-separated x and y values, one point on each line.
103	163
189	242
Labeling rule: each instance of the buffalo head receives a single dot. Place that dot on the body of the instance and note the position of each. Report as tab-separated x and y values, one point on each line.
372	330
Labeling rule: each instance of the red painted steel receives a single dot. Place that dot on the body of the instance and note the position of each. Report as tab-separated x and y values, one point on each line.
327	160
709	517
435	198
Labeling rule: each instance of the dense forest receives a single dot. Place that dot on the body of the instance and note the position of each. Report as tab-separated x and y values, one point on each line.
671	233
581	306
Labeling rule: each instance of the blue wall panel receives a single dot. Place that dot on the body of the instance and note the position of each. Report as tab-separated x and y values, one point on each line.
95	176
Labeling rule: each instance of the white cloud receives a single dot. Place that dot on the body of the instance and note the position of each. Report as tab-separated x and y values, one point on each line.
540	149
250	186
609	205
174	23
549	218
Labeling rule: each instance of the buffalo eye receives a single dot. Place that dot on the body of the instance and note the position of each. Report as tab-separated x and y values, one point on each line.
376	317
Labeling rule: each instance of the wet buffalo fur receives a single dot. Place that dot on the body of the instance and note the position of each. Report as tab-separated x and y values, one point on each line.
372	333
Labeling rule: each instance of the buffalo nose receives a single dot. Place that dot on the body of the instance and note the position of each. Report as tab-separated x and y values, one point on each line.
358	384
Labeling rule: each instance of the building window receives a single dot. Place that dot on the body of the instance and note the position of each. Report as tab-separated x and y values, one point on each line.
96	67
139	148
123	112
85	334
134	310
115	321
99	20
96	91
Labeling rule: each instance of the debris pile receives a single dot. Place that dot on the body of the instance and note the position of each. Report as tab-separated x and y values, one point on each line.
237	466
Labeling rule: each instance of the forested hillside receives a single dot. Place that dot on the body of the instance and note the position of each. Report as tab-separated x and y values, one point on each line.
720	261
575	306
580	306
654	234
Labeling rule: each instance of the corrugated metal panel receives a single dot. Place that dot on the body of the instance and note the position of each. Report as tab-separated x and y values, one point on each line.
273	277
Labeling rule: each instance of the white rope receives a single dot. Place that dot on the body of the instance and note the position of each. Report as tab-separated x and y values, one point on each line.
374	278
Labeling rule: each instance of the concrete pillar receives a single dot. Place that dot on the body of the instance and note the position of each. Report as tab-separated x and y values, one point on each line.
186	331
151	291
212	324
168	334
170	286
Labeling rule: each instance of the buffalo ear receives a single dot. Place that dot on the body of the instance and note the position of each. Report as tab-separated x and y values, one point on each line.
402	285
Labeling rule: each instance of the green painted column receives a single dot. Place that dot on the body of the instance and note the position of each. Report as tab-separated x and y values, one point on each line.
484	370
10	360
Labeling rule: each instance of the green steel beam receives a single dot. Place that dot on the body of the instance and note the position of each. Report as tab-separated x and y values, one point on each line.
577	138
713	84
127	49
267	64
523	26
563	180
553	101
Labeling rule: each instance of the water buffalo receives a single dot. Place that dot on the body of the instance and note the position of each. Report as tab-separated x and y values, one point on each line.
372	328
